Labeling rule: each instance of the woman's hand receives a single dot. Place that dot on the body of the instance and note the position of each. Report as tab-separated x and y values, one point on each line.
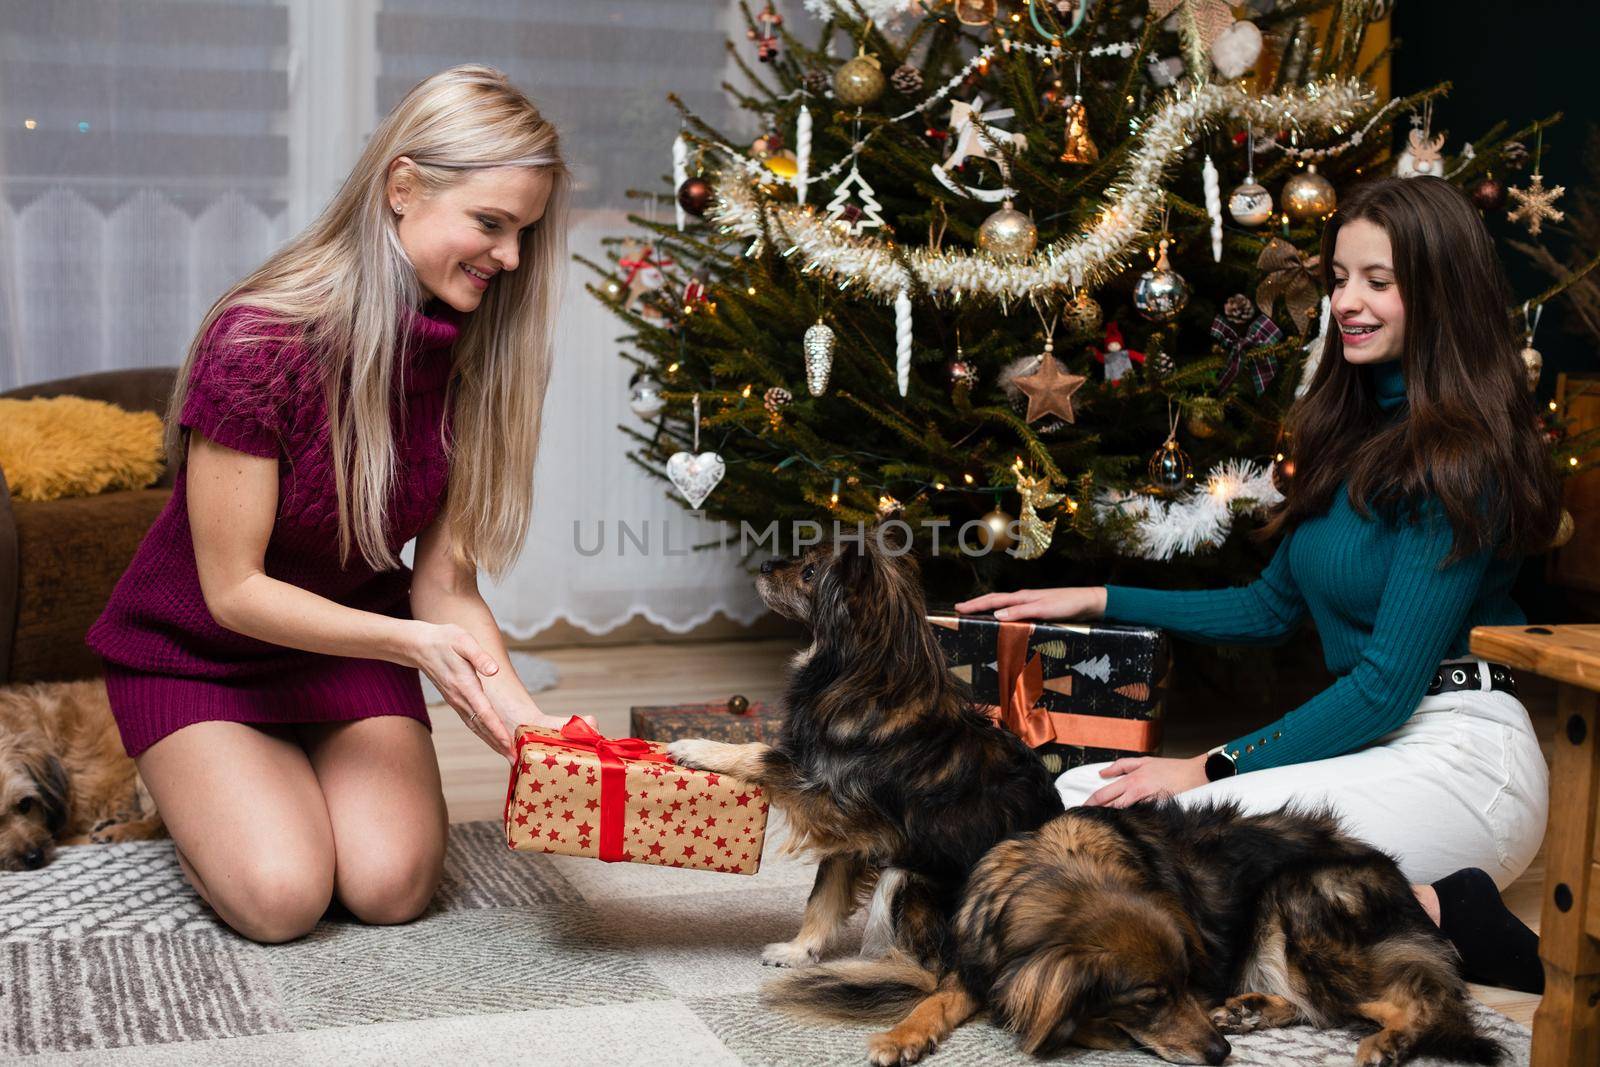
1071	602
1137	778
453	660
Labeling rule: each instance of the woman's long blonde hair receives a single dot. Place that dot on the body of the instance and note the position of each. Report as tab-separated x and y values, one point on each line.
343	283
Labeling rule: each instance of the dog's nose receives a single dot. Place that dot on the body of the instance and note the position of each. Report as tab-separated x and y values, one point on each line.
1217	1049
766	566
33	859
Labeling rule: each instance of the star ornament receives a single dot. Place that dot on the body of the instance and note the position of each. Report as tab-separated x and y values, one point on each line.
1049	390
1534	204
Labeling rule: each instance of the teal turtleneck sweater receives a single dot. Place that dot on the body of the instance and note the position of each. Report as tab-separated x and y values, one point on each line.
1386	611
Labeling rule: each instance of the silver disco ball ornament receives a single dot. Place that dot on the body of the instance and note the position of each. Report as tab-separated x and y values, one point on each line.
1161	292
645	399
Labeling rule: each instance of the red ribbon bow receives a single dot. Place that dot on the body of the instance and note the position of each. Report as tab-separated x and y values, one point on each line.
579	736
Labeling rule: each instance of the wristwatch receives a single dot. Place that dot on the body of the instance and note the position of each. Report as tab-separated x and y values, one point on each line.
1220	764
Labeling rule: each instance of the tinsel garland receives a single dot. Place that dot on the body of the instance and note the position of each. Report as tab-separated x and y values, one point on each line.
1196	520
1086	259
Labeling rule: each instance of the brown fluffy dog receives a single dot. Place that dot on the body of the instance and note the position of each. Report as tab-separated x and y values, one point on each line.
884	769
1162	927
64	776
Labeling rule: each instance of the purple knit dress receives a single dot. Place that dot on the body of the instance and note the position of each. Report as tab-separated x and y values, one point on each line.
168	662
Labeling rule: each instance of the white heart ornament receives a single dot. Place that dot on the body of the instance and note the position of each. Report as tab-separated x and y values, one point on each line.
695	476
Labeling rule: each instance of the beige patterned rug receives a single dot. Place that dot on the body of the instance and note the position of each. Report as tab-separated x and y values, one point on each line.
107	956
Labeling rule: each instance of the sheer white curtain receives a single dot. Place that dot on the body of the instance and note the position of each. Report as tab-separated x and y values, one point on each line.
152	151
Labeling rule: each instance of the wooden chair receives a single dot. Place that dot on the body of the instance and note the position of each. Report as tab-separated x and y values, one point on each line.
1566	1027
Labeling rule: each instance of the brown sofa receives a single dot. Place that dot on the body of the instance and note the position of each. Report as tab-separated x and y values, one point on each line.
60	559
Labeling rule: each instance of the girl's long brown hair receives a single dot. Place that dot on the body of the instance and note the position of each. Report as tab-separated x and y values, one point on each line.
1469	435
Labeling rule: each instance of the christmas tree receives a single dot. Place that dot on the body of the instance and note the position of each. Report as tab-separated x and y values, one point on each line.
1039	271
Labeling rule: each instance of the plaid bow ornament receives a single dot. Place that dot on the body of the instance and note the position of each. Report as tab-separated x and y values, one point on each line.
1239	329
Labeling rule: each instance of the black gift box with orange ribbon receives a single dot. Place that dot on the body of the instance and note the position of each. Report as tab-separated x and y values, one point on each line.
1077	692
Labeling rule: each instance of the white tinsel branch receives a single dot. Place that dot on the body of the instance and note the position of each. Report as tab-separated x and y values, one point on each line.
1196	520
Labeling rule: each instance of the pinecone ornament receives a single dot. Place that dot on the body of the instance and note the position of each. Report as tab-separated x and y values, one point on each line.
1515	153
817	82
906	79
1161	362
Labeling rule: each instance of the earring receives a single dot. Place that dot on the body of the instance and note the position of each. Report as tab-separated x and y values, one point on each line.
398	210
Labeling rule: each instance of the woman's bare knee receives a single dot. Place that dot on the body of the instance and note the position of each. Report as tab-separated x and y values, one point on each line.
385	889
275	901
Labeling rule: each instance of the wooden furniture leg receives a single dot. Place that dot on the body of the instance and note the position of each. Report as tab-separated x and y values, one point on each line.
1566	1028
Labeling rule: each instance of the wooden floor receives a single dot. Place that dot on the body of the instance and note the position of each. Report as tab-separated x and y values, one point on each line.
606	681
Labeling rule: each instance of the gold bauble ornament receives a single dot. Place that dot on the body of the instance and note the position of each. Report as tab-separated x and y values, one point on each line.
1308	196
1533	364
1200	428
1080	148
1565	530
995	534
1082	317
859	82
1008	233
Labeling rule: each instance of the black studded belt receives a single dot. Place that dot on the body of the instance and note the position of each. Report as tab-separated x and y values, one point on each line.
1454	677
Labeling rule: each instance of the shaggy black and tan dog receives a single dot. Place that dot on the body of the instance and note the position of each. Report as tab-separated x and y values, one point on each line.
883	769
1162	927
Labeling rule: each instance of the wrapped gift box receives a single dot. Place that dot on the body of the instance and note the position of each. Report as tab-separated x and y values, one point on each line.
623	800
1079	693
717	721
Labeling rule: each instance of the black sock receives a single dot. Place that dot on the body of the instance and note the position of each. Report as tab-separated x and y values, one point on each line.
1496	947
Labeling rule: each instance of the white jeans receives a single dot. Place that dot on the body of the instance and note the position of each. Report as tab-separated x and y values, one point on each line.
1461	784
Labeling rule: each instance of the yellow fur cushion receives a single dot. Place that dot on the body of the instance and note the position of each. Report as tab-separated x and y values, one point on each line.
60	446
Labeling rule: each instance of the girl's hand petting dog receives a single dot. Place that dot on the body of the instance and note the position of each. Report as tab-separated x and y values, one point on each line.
1070	602
1138	778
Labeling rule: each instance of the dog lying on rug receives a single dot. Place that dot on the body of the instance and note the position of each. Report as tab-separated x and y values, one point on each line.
64	776
884	769
1163	928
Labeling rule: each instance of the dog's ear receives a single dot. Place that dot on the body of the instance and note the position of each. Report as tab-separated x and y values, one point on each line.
1042	998
50	776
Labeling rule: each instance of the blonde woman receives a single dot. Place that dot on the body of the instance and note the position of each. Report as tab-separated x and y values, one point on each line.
379	378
